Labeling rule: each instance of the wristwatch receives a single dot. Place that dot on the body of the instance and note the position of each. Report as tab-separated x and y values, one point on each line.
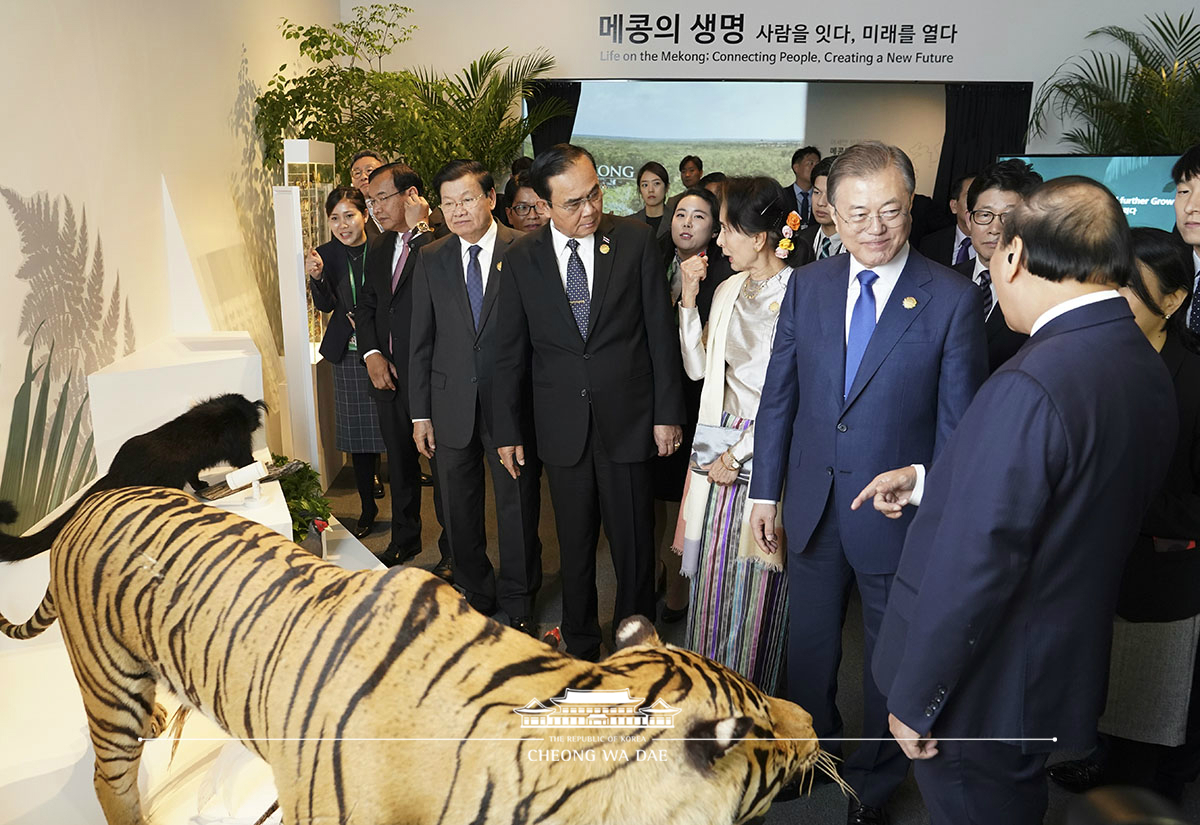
730	462
422	226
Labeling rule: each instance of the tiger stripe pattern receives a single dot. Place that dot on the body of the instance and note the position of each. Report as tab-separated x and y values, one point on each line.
382	697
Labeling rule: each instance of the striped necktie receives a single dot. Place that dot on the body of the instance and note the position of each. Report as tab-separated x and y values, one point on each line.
985	287
826	248
475	283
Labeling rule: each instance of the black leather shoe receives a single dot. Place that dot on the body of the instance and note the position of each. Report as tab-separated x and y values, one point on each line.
394	556
670	615
426	480
377	490
525	624
865	815
1078	775
364	526
444	571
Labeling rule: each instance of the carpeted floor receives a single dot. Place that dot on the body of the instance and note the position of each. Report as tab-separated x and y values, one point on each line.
826	805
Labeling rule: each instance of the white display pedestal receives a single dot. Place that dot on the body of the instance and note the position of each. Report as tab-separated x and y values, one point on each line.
162	380
46	757
271	512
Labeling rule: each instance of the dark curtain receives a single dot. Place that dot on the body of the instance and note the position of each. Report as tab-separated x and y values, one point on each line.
558	129
982	120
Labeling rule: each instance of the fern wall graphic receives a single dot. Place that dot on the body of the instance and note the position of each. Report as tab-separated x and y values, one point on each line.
73	325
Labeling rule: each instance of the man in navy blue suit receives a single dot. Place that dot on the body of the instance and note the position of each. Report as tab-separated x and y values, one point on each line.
878	352
997	633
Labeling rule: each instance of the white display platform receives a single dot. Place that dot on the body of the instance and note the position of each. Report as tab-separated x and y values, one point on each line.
46	758
163	379
271	511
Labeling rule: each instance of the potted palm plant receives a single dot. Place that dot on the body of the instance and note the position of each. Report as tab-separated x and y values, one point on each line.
1143	102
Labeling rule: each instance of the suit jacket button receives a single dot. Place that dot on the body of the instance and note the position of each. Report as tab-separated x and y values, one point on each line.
841	427
474	380
477	348
583	393
829	470
587	356
929	711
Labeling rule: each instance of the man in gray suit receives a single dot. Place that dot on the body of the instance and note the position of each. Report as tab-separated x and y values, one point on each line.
452	347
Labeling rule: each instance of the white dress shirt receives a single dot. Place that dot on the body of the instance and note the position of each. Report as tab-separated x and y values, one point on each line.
888	273
487	246
980	266
396	253
562	254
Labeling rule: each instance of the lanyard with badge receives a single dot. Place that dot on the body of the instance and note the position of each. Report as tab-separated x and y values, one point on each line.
352	346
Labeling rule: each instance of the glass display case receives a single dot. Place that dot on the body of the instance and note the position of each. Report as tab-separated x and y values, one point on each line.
309	166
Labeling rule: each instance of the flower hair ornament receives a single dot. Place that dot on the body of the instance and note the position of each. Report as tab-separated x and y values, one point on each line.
785	246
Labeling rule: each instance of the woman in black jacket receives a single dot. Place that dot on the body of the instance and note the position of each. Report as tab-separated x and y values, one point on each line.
336	271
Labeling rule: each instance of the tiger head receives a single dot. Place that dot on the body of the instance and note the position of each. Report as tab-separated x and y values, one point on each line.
728	752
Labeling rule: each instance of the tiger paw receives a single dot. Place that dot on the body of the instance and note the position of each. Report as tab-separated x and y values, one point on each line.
158	721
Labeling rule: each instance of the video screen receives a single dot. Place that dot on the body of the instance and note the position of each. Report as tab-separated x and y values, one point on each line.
1141	183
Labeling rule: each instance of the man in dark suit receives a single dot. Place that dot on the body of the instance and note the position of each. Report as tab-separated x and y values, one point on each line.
453	351
992	196
952	244
1186	175
584	315
877	355
798	196
821	236
999	626
384	314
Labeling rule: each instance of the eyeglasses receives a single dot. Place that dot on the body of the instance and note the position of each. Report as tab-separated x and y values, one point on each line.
372	202
362	173
465	203
523	209
572	206
887	217
985	216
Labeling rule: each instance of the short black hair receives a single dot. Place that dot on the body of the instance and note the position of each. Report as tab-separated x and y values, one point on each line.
712	177
554	161
822	168
691	159
459	168
1073	229
655	168
345	193
956	184
714	203
1170	260
365	153
515	183
521	164
1188	165
799	154
403	176
756	204
1011	175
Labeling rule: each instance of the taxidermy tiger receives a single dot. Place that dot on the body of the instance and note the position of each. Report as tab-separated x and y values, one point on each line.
151	586
214	431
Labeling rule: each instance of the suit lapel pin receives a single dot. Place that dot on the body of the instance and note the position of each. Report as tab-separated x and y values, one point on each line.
910	302
499	265
774	306
604	247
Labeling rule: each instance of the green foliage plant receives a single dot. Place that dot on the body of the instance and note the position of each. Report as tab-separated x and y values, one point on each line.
305	498
1145	102
346	98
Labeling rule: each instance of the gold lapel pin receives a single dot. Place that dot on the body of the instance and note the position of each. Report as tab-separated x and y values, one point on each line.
910	302
499	265
604	249
774	306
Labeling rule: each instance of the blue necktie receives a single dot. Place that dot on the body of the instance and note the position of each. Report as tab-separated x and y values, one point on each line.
985	286
963	251
862	324
577	289
804	213
475	284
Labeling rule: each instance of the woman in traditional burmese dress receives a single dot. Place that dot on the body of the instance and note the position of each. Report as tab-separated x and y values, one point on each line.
738	609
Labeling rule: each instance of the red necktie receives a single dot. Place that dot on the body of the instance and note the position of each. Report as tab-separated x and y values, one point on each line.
404	240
